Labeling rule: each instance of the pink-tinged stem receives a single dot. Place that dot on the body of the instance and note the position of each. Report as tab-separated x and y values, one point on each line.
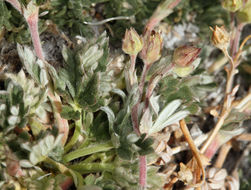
236	39
212	149
162	11
134	115
32	21
63	126
135	108
153	83
133	61
143	78
142	172
15	4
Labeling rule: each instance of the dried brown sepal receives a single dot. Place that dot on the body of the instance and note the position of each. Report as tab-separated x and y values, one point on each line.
151	51
220	37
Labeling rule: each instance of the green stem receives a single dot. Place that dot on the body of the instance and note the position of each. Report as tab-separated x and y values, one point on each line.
85	168
77	177
86	143
91	158
74	138
87	151
60	167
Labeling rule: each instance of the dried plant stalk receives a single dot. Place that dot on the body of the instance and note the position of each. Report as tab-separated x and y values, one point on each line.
223	154
194	149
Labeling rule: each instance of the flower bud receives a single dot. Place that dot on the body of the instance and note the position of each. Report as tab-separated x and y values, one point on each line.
132	42
151	51
183	71
185	55
244	14
232	5
220	37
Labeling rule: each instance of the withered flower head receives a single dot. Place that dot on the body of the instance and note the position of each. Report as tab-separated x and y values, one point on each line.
132	42
220	37
185	55
151	51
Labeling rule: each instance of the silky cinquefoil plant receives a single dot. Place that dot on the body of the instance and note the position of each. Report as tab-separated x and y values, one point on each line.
157	113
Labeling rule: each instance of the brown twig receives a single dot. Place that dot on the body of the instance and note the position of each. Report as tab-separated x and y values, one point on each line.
228	99
194	149
241	47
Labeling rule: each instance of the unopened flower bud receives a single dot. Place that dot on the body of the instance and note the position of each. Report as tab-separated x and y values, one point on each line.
132	42
220	37
244	14
183	71
151	51
185	55
232	5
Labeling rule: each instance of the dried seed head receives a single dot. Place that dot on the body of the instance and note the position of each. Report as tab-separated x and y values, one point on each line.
220	37
132	42
151	51
232	5
185	55
185	174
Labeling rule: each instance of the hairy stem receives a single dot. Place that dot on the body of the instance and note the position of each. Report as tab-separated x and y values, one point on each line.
32	22
142	159
15	4
162	11
143	78
142	172
153	83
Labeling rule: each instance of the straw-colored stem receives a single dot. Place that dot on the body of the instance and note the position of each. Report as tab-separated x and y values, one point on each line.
194	149
222	155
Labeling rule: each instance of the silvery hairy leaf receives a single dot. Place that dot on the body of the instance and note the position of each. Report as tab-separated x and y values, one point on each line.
41	150
168	116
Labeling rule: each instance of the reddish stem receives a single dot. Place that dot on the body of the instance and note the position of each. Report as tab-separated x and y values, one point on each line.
32	22
15	4
135	108
142	172
134	115
212	148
